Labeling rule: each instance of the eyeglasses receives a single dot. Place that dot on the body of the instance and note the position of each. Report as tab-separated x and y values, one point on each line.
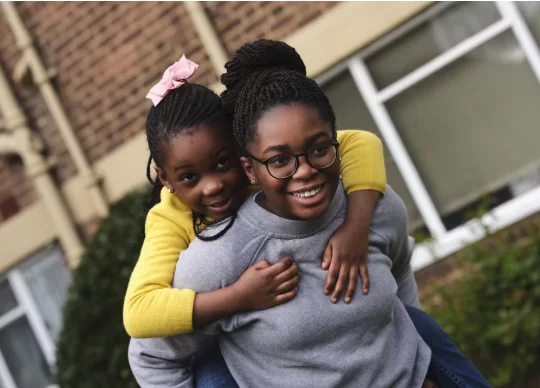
285	165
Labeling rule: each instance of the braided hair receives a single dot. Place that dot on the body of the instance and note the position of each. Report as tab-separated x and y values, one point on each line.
181	111
261	75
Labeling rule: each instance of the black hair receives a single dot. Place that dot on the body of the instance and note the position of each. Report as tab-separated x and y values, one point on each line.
182	110
261	75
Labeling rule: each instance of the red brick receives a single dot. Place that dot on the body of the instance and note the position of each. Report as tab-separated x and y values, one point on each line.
108	54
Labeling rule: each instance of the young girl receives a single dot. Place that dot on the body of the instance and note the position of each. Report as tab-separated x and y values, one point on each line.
199	180
280	114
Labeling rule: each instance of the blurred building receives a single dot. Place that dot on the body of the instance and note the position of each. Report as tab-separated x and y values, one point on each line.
451	88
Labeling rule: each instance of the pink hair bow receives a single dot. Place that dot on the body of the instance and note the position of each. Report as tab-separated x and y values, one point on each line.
174	77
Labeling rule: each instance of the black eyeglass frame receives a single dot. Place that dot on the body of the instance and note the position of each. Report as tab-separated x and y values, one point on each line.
297	157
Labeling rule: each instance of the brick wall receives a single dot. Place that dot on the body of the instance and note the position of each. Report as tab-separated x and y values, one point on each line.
12	177
108	55
239	22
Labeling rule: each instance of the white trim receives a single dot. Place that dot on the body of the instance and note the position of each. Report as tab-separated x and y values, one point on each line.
11	316
412	179
26	301
499	218
5	374
332	73
443	59
510	12
389	38
385	40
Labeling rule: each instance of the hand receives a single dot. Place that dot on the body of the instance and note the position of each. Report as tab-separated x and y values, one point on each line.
428	384
263	285
345	257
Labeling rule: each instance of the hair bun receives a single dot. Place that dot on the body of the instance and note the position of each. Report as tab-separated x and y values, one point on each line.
260	55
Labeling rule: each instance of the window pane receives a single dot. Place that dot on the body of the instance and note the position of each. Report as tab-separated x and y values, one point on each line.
472	127
48	279
23	356
352	113
430	39
530	11
7	298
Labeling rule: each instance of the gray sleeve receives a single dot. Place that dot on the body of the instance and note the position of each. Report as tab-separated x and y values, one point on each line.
203	267
164	362
403	273
391	220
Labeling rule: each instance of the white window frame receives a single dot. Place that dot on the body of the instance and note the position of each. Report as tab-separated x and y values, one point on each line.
27	307
444	242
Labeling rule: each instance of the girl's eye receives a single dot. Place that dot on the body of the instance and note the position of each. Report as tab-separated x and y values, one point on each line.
223	163
280	161
188	178
320	150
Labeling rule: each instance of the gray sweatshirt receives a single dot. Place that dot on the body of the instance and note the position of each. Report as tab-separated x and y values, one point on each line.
307	342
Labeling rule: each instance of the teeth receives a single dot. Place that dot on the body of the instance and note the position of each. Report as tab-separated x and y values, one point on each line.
307	194
220	204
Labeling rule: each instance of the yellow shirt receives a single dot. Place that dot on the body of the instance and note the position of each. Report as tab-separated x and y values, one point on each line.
152	308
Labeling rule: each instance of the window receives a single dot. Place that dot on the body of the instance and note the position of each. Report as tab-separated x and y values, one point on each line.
352	113
31	300
462	124
454	95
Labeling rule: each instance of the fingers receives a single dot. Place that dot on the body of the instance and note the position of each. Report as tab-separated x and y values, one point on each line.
332	277
286	275
341	282
263	264
283	298
364	276
327	256
288	285
351	288
279	267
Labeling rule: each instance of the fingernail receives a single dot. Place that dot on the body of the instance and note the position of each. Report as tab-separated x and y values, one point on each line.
334	300
326	292
347	300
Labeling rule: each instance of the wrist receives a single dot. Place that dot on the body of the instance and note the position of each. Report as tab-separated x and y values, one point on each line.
236	298
360	209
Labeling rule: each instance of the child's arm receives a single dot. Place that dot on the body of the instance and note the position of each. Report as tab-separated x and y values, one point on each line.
261	286
152	308
150	297
364	178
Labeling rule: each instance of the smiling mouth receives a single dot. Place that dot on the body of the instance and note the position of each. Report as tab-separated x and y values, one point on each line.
220	204
221	208
308	193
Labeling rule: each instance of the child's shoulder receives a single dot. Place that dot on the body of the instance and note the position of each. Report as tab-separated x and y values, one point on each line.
170	211
224	258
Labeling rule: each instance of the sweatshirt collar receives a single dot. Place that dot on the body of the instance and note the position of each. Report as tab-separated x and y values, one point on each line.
263	219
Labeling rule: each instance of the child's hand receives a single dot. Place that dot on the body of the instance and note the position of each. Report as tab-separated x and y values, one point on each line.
428	384
345	256
263	285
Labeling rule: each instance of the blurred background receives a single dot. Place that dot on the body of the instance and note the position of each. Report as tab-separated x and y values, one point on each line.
452	89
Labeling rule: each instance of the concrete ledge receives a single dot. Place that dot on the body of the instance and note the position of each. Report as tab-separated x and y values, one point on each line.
348	27
25	233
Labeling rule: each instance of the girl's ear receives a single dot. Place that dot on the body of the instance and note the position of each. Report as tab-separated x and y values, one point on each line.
163	178
248	168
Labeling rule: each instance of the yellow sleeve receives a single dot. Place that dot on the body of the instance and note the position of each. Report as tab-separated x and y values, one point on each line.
362	161
152	308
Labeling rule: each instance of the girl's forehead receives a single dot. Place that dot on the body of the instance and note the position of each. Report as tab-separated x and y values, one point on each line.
197	145
291	124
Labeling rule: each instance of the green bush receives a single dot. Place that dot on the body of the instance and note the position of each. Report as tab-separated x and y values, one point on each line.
92	349
493	312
